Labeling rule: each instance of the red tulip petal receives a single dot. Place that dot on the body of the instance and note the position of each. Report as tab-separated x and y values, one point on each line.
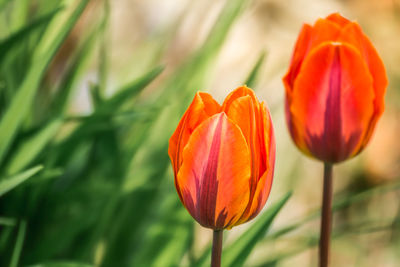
237	93
300	50
323	31
264	184
214	176
244	114
353	34
202	107
332	101
309	38
338	19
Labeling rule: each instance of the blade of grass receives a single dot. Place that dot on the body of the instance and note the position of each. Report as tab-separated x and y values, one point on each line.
93	123
251	80
5	221
18	37
32	147
129	91
6	184
237	253
46	49
168	238
18	244
19	14
77	66
104	58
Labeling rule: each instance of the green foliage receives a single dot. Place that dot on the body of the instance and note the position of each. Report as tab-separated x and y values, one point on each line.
237	253
6	184
251	80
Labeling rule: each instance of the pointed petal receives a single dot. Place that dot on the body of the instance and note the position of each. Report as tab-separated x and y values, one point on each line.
338	19
324	31
237	93
244	114
309	38
300	50
202	107
332	101
353	34
214	176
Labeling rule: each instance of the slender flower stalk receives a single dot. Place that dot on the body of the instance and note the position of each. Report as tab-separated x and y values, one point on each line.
326	216
216	248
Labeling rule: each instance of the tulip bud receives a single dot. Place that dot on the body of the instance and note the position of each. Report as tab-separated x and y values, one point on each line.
223	158
335	89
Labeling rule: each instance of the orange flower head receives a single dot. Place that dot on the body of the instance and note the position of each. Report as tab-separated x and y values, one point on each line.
335	89
223	158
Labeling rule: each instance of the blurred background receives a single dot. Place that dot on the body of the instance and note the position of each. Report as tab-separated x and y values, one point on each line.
91	91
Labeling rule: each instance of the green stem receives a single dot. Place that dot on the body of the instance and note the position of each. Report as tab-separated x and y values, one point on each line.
216	248
326	217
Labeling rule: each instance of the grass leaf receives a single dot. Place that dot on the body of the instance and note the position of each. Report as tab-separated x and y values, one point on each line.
237	253
6	184
20	35
251	80
32	147
18	244
76	67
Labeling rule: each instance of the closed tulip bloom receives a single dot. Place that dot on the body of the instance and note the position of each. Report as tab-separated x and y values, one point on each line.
335	89
223	158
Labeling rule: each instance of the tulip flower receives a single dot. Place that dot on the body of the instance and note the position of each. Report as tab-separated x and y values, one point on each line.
223	159
335	90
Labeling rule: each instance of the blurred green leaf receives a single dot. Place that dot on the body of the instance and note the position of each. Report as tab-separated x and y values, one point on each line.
46	49
29	149
19	14
104	44
75	70
129	91
62	264
18	244
17	37
167	241
5	221
237	253
3	3
251	80
6	184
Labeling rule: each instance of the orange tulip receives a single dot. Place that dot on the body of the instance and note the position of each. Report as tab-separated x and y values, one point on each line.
335	89
223	158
